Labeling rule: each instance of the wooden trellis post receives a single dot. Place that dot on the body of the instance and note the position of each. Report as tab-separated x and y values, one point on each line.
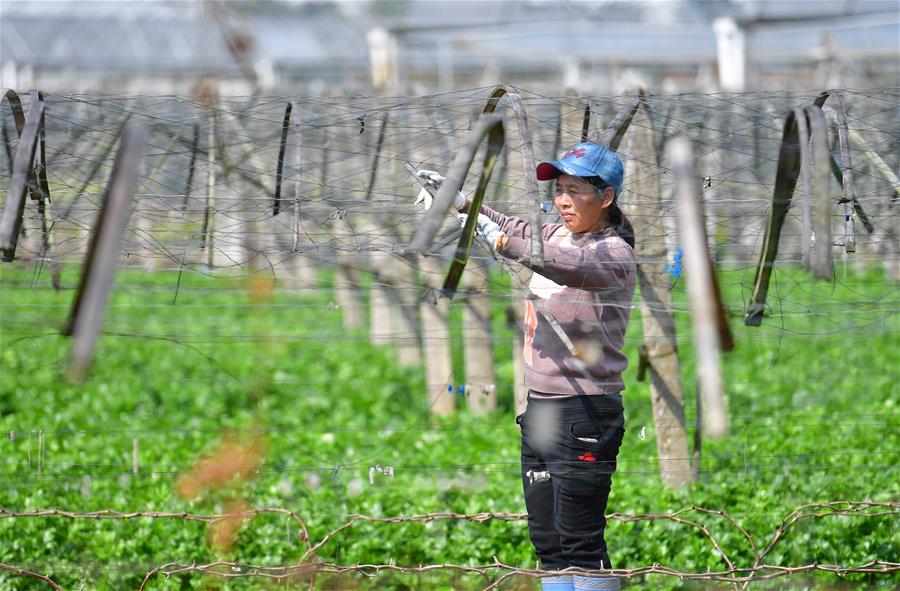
346	284
480	387
479	358
489	127
643	204
434	312
303	267
405	322
381	304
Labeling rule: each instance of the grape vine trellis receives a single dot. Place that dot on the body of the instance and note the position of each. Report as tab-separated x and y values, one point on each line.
294	184
308	565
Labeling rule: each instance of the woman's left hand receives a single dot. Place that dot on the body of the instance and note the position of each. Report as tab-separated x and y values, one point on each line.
486	228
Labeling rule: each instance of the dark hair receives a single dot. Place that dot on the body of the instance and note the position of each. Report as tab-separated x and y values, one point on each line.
617	219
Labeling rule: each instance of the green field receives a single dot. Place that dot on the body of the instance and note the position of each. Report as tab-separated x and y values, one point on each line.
812	396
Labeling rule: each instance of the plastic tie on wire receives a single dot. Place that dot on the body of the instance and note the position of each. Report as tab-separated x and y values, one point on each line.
459	390
675	267
379	469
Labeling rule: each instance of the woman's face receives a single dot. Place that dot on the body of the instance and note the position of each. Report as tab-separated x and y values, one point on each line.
582	207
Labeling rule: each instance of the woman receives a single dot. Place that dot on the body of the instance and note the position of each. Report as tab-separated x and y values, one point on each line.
573	424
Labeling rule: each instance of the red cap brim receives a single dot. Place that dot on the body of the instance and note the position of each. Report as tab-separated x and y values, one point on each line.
547	172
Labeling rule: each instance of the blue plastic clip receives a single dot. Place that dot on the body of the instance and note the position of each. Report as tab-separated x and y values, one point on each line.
544	207
674	268
462	390
450	388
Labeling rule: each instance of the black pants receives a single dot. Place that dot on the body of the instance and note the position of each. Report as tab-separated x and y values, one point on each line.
569	449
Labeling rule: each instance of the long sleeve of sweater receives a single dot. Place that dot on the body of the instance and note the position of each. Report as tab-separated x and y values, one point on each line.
592	262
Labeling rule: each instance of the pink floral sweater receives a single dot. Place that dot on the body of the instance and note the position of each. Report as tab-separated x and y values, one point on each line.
586	284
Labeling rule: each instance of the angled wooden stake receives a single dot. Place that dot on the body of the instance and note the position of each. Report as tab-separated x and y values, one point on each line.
701	288
422	240
11	221
495	139
100	265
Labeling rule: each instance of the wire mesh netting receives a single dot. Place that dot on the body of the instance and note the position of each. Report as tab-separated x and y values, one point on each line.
252	213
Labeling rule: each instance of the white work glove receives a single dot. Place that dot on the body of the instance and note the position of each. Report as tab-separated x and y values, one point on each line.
486	228
433	179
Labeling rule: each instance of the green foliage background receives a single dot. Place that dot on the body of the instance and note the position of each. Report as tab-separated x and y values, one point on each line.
812	397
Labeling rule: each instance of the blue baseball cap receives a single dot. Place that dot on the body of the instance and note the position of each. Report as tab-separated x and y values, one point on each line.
585	159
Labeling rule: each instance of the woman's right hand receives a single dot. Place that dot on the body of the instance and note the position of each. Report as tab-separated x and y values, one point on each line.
432	181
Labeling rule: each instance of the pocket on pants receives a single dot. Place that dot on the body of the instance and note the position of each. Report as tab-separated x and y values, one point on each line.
603	441
586	457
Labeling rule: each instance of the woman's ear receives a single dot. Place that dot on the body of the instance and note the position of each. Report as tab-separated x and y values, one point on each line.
608	196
